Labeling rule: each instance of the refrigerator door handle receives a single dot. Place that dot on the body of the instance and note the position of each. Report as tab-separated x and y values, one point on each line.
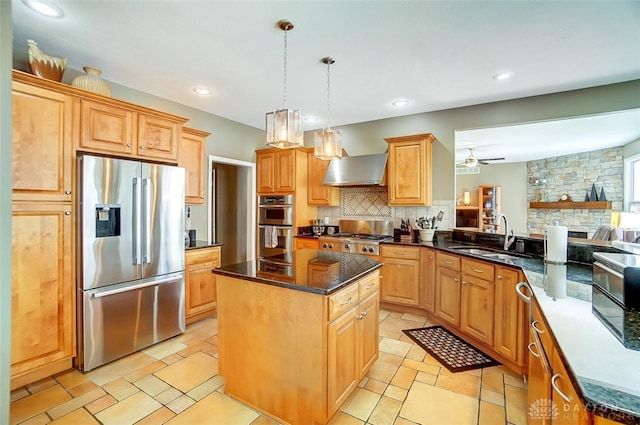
146	186
156	282
136	237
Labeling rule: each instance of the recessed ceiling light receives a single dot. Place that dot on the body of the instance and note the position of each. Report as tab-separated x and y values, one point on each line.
400	103
202	91
311	119
503	76
44	7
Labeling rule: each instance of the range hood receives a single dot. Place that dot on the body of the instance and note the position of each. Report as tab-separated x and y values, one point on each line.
359	170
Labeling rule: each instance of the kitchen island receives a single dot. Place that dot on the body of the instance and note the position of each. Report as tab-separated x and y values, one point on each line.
298	331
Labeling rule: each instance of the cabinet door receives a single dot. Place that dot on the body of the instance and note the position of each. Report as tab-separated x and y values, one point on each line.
192	159
400	281
343	371
265	171
565	397
428	279
200	286
106	128
368	334
539	385
409	170
317	193
448	295
509	321
42	144
42	287
476	310
304	243
158	138
285	165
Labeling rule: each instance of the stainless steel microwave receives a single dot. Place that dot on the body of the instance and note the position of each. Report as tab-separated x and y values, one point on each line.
276	210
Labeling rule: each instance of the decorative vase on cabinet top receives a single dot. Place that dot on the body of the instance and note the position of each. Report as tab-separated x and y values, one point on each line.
43	65
91	81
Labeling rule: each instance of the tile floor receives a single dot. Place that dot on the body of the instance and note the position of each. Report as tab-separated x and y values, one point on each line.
177	382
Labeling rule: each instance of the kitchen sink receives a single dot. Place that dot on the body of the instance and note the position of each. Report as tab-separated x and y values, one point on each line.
475	251
485	253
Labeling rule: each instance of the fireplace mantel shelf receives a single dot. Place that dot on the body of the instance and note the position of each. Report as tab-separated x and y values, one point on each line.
594	205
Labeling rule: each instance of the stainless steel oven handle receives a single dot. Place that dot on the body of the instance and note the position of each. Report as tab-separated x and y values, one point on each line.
609	270
168	279
262	226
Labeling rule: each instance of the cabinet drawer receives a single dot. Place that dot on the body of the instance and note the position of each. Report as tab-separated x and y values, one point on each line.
369	284
203	255
394	251
342	301
303	243
479	269
449	261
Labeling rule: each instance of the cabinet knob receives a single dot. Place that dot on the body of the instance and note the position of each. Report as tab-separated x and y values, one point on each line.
128	145
67	192
202	197
67	213
455	279
464	282
142	147
499	277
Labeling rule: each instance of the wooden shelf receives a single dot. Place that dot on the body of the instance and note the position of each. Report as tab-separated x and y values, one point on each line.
467	207
596	205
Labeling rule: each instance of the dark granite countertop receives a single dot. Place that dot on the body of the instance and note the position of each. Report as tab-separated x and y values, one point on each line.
290	270
201	244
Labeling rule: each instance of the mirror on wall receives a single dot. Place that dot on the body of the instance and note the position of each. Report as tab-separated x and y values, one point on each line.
503	153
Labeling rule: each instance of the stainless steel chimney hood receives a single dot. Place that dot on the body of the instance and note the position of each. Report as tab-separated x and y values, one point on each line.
359	170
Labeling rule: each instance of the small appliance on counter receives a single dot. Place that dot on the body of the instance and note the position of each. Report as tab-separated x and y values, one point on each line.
616	295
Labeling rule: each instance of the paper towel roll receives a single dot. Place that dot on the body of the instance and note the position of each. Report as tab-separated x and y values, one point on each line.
557	244
555	281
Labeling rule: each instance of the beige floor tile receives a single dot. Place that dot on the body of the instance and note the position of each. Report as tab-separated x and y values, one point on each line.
392	326
341	418
385	412
129	410
393	346
396	393
160	416
71	378
460	383
37	403
474	372
100	404
428	405
513	380
75	403
189	372
384	369
493	381
416	353
422	320
215	408
426	378
516	404
363	381
429	359
171	359
360	404
168	395
210	350
120	388
19	393
199	346
145	371
82	388
78	416
490	414
263	420
404	377
40	385
375	386
382	314
119	368
164	348
421	366
40	419
203	330
206	388
151	385
492	397
181	404
403	421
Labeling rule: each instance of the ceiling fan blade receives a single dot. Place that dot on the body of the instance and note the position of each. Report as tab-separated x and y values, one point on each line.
491	159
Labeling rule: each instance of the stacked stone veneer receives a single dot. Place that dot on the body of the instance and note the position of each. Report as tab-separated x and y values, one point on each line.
574	175
370	203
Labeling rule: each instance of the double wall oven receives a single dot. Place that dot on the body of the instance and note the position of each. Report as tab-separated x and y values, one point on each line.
275	225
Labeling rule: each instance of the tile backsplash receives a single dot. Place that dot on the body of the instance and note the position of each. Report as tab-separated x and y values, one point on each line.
370	203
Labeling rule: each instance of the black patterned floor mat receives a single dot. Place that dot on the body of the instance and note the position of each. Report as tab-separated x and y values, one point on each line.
455	354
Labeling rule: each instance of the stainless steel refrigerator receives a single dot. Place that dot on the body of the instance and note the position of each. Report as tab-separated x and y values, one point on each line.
131	257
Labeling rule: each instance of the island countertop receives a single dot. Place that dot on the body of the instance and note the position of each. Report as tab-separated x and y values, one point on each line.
308	270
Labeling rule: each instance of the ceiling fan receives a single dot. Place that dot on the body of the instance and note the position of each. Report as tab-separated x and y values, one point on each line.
472	161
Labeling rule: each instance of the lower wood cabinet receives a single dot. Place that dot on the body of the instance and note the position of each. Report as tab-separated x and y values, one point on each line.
510	317
400	275
564	396
200	283
477	300
428	279
306	243
448	288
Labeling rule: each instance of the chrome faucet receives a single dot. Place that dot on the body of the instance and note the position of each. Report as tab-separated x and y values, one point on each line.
509	239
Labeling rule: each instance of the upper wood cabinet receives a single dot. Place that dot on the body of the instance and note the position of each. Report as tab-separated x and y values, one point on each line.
409	169
276	171
42	144
115	129
317	193
192	148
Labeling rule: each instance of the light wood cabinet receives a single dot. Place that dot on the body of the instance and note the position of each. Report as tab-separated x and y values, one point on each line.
342	355
42	144
409	169
200	283
510	320
317	193
564	396
428	279
192	148
110	127
400	275
539	382
276	171
448	288
42	291
306	243
477	300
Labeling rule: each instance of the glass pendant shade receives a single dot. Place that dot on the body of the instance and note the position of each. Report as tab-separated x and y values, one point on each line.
327	144
284	129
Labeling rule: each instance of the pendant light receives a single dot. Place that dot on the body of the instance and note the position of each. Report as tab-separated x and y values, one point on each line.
328	142
284	126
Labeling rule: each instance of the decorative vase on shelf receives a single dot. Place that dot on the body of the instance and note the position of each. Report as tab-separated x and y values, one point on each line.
602	197
91	81
43	65
594	193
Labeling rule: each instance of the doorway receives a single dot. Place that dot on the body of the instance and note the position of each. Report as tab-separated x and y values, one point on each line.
232	208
